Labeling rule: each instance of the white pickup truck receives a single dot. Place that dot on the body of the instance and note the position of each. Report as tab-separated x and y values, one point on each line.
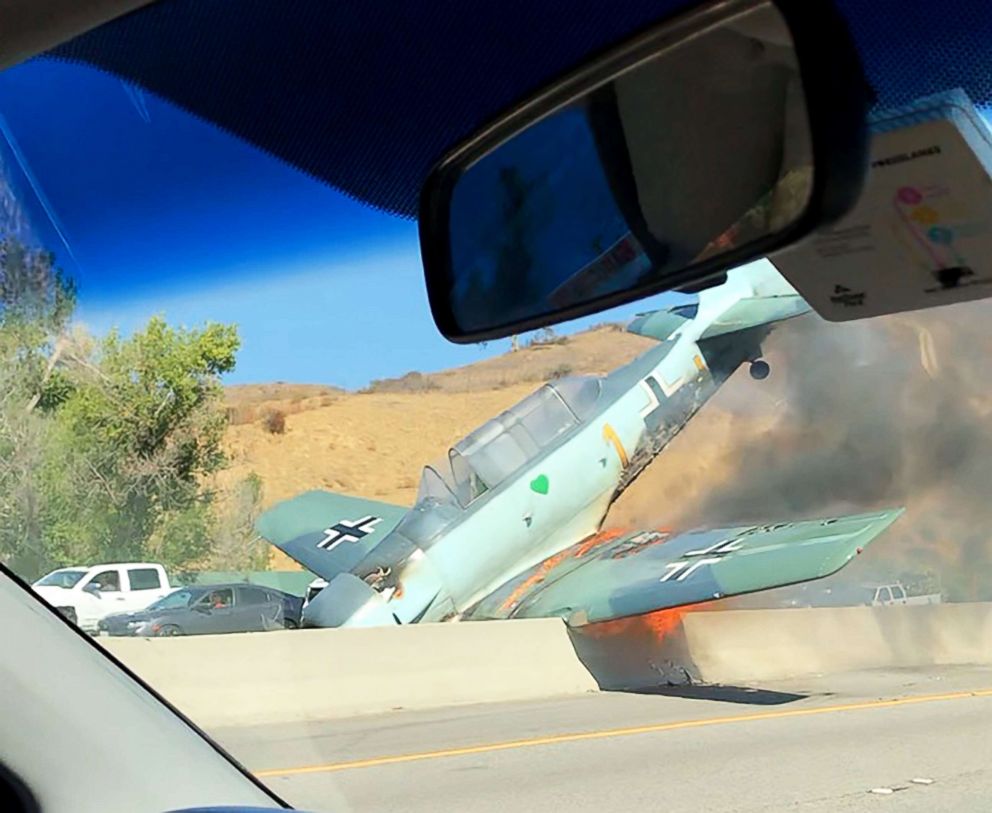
881	595
87	594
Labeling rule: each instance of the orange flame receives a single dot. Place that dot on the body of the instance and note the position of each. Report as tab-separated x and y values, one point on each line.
658	625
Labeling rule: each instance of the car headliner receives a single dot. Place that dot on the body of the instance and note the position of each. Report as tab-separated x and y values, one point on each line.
368	95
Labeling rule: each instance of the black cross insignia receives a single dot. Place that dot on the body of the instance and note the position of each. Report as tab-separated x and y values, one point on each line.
348	530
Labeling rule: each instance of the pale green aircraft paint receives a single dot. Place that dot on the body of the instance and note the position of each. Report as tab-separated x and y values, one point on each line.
509	528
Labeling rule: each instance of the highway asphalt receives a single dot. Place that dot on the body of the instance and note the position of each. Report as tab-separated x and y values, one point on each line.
817	744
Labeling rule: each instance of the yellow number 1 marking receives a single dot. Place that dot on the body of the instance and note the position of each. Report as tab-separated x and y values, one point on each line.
609	433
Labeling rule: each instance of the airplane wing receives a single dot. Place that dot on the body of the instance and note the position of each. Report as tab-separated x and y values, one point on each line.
615	575
328	533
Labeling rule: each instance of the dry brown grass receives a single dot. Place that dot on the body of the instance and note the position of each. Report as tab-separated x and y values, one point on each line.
411	382
595	351
247	403
275	422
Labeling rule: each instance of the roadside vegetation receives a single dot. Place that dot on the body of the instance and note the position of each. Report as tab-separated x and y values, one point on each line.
106	444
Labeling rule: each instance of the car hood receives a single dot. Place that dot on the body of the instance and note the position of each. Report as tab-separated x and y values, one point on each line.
53	594
120	621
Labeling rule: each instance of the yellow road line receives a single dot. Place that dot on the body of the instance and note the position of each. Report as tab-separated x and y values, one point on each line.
603	734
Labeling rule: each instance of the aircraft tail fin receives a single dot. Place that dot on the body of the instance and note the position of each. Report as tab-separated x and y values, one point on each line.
662	324
328	533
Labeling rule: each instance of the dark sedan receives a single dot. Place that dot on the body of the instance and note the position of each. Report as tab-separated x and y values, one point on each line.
218	608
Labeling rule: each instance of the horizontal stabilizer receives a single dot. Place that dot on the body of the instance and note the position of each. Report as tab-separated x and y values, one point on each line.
755	311
661	324
614	576
328	533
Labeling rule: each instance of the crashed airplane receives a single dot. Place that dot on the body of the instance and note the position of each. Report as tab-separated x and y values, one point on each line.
510	527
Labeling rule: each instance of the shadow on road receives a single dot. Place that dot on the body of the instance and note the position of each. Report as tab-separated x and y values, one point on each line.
726	694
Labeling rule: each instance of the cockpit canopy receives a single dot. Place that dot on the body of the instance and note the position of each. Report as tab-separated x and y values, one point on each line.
508	442
495	451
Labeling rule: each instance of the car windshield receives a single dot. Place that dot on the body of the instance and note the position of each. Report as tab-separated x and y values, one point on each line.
629	561
175	600
61	578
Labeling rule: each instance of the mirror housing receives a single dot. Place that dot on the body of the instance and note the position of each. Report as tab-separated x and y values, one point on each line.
646	169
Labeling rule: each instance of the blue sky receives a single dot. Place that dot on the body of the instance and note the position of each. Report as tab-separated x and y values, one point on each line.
154	212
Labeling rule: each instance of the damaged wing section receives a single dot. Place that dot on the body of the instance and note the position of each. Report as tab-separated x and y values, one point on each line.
328	533
613	576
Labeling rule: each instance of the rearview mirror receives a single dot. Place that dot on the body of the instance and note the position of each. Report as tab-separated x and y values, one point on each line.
708	141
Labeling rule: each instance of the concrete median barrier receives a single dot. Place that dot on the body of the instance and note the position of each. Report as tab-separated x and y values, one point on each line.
750	646
753	645
305	675
235	680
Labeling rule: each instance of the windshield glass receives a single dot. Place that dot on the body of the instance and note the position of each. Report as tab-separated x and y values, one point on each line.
175	601
212	362
61	578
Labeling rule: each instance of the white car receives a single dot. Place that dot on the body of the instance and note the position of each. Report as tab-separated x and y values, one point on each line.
85	595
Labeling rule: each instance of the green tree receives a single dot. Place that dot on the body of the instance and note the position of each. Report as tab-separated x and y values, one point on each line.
141	429
236	543
36	305
106	445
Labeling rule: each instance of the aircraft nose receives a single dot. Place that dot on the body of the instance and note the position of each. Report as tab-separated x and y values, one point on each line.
347	601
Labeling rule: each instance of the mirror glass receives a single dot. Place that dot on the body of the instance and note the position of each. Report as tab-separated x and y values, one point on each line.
689	154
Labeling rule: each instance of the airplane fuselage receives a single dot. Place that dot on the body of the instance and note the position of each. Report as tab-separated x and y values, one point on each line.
563	495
